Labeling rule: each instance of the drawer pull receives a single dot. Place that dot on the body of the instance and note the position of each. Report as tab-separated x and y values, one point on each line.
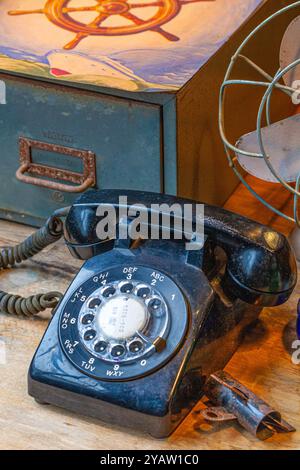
34	173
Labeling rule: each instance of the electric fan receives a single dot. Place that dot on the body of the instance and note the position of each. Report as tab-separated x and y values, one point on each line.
272	151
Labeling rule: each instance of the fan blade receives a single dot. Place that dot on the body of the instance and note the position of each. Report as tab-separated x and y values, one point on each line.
290	51
282	144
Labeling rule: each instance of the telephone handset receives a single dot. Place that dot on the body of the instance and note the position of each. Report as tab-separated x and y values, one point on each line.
260	267
145	322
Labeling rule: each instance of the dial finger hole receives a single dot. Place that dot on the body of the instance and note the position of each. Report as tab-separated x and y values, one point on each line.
94	303
154	305
89	335
100	347
117	351
143	292
87	319
135	346
108	292
126	288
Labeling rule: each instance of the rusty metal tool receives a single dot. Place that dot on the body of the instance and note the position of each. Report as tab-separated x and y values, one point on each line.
233	401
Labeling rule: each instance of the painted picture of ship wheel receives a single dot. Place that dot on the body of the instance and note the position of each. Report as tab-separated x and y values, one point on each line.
63	14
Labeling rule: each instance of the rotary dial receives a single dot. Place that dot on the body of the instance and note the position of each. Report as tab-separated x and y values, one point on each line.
123	322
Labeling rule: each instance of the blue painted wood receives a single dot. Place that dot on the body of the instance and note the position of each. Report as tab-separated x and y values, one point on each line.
126	136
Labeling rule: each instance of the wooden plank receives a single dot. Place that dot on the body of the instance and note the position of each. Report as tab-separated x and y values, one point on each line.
263	363
244	203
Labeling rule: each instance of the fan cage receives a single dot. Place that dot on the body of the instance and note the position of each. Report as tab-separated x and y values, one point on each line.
264	108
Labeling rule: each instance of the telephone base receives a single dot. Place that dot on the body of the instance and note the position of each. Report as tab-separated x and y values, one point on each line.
144	324
155	426
156	402
41	402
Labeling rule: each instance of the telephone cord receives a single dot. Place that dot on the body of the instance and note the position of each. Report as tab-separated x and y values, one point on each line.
48	234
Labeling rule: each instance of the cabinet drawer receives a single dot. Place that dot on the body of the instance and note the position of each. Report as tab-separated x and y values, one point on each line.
124	135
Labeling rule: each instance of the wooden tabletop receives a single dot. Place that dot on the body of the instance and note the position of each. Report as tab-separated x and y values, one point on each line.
263	363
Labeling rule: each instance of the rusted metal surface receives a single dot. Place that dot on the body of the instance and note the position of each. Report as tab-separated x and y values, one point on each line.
36	172
217	414
234	401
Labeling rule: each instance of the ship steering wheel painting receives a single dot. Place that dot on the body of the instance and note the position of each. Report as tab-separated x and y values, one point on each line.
63	14
131	45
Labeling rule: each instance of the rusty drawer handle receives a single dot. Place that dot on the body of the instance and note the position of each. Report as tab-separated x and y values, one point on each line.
20	175
81	181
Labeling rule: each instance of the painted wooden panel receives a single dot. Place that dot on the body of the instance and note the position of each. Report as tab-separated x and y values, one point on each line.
138	45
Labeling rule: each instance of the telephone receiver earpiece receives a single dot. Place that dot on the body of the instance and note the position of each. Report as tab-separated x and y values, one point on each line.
261	267
261	276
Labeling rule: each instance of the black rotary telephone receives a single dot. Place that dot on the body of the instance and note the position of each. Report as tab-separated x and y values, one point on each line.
145	322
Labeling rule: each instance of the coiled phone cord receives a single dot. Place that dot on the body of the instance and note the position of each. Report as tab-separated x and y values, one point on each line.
50	233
